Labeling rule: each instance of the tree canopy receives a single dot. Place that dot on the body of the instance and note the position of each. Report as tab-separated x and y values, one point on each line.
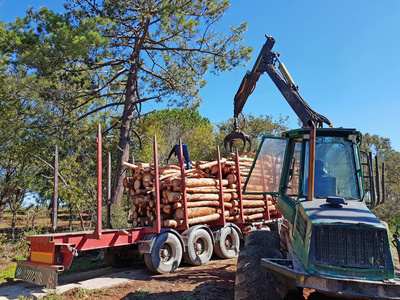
172	125
111	56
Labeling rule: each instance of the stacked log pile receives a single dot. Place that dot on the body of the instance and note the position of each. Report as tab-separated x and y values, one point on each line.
202	194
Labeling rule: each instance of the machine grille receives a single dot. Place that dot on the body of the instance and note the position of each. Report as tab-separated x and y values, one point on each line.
301	226
350	246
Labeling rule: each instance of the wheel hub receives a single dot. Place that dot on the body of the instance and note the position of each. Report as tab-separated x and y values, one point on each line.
165	253
228	242
199	246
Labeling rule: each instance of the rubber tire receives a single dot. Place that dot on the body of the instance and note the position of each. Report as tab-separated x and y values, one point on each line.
221	249
112	257
190	256
252	280
154	261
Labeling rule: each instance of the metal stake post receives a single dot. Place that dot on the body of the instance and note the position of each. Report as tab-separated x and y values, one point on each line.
98	229
109	191
55	193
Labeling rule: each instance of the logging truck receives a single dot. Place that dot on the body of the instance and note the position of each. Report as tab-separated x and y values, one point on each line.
175	214
329	241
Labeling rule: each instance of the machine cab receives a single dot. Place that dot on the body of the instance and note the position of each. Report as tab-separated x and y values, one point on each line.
282	165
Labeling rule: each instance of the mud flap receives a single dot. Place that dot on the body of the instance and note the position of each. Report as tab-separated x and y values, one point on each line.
39	274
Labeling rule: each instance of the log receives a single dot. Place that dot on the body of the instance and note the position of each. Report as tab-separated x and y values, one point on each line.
172	223
253	203
204	219
167	209
205	197
204	189
231	178
248	196
128	182
144	165
232	218
170	176
176	196
138	199
210	164
195	212
129	165
234	203
167	171
137	184
214	170
196	182
202	203
141	192
234	211
253	217
255	210
147	180
170	166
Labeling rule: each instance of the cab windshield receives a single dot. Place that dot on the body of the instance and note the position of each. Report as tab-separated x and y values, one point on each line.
335	170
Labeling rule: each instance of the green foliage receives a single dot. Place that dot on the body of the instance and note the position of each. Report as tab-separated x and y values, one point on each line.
8	274
140	294
254	127
381	147
101	60
118	217
3	238
172	125
19	257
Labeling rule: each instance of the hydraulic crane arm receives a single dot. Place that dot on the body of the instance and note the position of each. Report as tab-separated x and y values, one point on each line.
266	62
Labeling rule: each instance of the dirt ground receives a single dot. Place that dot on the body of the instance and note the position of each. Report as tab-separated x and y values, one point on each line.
214	280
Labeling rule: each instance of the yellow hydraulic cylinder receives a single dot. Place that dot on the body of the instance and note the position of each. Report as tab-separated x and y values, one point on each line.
286	73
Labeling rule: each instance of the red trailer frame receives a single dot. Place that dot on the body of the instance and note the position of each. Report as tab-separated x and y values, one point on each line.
52	253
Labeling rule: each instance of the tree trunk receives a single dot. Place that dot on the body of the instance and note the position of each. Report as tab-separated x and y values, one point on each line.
127	119
2	208
124	141
14	217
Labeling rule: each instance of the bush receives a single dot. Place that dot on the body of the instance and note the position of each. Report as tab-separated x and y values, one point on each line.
118	217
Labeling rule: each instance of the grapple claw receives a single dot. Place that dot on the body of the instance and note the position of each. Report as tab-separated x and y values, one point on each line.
237	135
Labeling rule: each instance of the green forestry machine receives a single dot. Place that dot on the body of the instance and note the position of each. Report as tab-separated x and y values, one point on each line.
328	240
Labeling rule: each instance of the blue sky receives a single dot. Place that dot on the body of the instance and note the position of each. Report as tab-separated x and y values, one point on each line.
343	55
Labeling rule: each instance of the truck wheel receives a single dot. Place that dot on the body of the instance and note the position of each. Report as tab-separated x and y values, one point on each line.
166	254
199	247
228	244
253	280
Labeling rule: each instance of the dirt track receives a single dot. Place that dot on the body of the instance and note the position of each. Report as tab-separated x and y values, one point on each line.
215	280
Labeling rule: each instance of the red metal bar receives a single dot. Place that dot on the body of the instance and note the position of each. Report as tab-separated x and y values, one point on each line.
239	179
267	215
84	240
185	224
109	191
55	191
157	224
222	220
98	229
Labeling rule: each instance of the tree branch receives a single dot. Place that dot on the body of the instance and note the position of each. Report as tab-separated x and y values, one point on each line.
59	175
100	108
